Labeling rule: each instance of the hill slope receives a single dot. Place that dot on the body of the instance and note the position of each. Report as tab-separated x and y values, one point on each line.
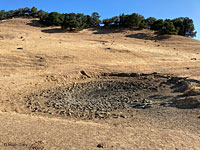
34	58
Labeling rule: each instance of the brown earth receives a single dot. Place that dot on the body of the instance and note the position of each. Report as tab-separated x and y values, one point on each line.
150	82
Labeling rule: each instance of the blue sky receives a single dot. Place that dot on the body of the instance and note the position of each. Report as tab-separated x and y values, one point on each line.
108	8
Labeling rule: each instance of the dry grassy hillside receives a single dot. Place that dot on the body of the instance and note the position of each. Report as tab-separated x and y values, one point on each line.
37	62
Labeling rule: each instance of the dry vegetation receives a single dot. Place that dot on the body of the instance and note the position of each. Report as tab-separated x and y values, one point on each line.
35	59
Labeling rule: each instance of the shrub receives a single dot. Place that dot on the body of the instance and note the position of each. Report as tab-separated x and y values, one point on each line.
157	25
169	28
130	21
185	26
33	12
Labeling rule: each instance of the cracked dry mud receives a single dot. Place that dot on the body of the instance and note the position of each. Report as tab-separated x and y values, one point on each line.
111	94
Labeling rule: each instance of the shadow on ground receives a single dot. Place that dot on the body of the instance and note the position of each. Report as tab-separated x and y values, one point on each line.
148	37
191	102
36	23
106	30
55	30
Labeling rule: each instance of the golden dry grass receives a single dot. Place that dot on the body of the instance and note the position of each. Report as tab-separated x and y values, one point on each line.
33	58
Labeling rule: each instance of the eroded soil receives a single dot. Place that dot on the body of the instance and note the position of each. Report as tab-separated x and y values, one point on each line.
110	94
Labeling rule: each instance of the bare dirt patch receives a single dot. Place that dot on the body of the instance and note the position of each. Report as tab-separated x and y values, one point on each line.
107	96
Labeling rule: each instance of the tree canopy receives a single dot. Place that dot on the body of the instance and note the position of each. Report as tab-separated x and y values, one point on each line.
183	26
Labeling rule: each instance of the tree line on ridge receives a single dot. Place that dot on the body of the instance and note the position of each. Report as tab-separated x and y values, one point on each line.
183	26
